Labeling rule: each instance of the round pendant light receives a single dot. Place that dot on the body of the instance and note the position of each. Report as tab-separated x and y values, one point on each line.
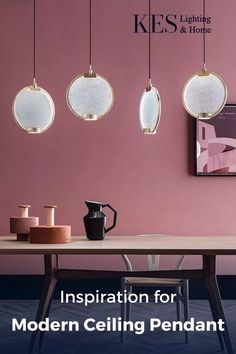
33	107
205	93
90	96
150	103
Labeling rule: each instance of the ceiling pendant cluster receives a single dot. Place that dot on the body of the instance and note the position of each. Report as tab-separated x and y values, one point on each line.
150	104
90	96
33	107
205	93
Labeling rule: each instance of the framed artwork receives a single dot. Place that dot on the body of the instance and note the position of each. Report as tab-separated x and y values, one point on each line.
216	144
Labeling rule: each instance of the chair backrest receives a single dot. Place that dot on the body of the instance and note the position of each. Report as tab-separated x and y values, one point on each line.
128	263
153	262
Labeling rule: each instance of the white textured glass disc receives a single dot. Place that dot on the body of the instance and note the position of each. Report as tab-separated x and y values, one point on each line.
34	109
150	111
90	98
204	96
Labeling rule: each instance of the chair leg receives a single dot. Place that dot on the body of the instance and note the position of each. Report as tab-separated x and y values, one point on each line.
178	303
123	310
128	305
185	290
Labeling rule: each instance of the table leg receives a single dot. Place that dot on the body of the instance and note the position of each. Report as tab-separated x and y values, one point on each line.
209	270
50	281
219	334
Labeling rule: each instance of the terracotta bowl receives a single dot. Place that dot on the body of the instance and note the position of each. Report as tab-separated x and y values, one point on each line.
50	234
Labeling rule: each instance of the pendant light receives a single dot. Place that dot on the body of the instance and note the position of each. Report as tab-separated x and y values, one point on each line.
33	107
90	96
150	103
205	93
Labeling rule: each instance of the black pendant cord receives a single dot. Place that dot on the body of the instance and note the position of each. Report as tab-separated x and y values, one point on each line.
149	44
90	35
204	34
34	42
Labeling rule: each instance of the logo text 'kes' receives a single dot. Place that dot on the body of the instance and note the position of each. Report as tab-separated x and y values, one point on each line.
159	23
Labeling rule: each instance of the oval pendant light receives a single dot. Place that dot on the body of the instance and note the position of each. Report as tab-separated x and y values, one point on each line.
150	109
205	93
90	96
33	107
150	103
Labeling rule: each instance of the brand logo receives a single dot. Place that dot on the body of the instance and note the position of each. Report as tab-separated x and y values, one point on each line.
171	23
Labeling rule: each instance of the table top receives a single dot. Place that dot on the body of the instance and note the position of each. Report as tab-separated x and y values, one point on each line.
137	244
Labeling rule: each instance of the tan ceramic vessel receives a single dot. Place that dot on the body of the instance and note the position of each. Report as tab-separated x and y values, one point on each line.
50	233
20	225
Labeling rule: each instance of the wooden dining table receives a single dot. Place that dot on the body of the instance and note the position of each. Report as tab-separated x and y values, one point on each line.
208	247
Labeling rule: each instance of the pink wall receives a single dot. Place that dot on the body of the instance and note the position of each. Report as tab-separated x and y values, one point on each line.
146	178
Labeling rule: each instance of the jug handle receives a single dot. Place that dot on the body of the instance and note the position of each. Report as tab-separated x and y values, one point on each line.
115	217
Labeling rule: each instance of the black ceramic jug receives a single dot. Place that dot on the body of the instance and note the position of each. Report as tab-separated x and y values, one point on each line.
95	220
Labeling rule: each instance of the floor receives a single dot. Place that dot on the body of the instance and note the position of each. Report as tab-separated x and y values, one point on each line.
108	342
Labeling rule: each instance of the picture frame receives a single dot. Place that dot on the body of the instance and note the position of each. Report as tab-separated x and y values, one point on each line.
216	144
